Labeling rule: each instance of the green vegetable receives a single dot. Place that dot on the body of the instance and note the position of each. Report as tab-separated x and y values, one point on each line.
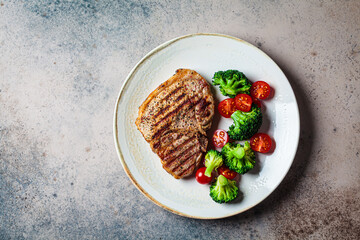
232	82
223	190
213	160
238	158
246	124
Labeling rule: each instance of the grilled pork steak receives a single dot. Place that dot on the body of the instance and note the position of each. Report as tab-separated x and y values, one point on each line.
174	119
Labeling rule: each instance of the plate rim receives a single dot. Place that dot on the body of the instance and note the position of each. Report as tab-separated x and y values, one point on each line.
115	127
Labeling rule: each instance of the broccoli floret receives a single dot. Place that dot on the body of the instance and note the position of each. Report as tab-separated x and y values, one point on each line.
232	82
213	160
246	124
238	158
223	190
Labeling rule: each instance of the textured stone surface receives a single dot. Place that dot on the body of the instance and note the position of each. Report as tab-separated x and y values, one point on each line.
62	65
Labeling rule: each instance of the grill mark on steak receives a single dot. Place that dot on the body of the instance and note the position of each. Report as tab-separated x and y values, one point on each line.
180	97
184	148
165	99
175	111
171	93
178	160
169	152
157	145
183	165
176	163
178	109
162	111
174	119
205	114
162	129
197	101
204	104
202	101
193	105
175	136
180	166
170	138
187	171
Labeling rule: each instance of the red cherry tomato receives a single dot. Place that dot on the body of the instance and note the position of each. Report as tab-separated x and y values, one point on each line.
243	102
220	138
261	142
201	177
226	172
227	107
257	102
260	90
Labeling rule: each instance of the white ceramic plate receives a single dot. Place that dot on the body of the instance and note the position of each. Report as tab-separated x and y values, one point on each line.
206	54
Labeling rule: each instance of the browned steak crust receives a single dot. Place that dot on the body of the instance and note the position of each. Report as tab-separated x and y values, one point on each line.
174	119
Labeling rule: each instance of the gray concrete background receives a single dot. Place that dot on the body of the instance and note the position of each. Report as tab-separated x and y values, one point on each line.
62	65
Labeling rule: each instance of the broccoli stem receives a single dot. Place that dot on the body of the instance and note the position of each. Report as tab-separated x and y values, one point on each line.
238	117
210	168
222	180
239	152
230	91
222	82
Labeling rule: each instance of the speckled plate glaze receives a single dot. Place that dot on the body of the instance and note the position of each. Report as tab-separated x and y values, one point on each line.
205	53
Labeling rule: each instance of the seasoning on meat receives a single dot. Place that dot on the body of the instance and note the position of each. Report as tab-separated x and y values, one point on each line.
174	119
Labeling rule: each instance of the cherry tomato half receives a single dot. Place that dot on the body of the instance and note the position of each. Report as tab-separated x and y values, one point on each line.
260	90
227	107
226	172
220	138
257	102
243	102
201	177
261	142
